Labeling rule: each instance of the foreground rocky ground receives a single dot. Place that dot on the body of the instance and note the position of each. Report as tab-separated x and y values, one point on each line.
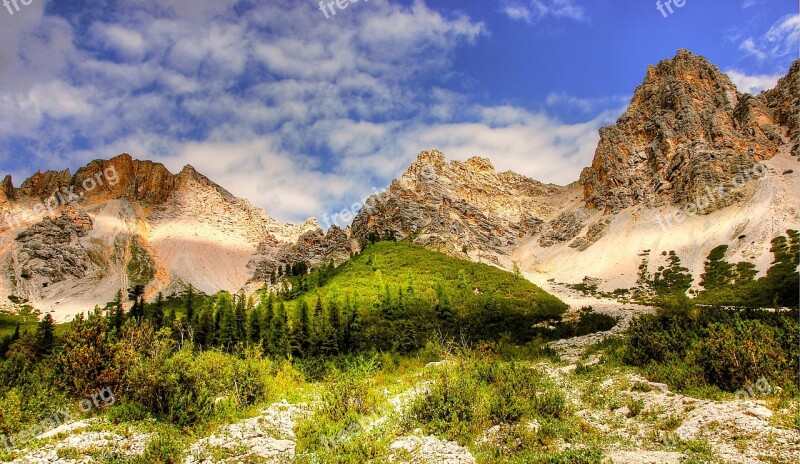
635	421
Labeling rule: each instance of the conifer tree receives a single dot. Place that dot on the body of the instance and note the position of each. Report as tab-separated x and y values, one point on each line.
45	335
318	328
301	330
205	328
117	313
137	295
672	279
718	272
744	273
444	308
254	326
268	324
227	332
240	315
280	338
169	319
190	316
335	319
387	307
157	315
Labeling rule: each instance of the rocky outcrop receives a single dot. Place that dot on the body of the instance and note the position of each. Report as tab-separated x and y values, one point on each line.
314	247
458	207
784	101
7	191
686	131
50	252
124	178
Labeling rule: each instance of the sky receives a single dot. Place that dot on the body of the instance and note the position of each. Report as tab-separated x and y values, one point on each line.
305	112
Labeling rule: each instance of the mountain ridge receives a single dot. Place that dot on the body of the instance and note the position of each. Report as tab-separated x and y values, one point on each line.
687	131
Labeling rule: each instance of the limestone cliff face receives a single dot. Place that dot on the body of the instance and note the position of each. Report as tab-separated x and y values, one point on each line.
459	206
687	129
784	102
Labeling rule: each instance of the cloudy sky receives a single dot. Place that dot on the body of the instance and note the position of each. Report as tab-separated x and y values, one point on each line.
302	113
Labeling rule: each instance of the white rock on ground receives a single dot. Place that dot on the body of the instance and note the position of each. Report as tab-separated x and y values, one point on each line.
269	437
429	450
84	444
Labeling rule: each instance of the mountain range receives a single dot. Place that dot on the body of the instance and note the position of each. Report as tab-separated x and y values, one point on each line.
691	164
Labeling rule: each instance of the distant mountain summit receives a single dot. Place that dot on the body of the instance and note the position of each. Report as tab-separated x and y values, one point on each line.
686	130
692	164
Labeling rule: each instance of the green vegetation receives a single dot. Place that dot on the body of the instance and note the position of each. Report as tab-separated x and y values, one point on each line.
729	284
719	341
141	268
355	341
193	359
696	348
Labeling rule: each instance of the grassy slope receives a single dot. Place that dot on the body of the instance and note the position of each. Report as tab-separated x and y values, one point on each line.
396	264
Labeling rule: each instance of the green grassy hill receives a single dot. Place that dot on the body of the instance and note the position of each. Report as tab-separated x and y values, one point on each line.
399	288
404	265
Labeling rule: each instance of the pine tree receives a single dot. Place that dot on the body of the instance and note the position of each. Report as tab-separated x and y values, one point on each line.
318	328
117	313
190	316
782	281
157	316
673	279
137	310
255	324
643	277
227	331
387	307
443	308
205	328
355	338
241	319
45	335
400	307
169	320
137	295
280	338
347	325
718	272
268	324
334	327
744	273
300	331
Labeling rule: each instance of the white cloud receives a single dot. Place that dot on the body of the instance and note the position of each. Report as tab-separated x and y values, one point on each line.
780	41
298	114
586	106
753	84
531	11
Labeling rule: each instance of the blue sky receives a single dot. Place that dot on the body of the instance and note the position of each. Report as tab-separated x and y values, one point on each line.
303	114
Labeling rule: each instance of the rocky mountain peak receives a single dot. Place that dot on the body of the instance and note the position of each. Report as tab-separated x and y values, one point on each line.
457	205
687	129
479	164
434	158
42	184
7	190
123	177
